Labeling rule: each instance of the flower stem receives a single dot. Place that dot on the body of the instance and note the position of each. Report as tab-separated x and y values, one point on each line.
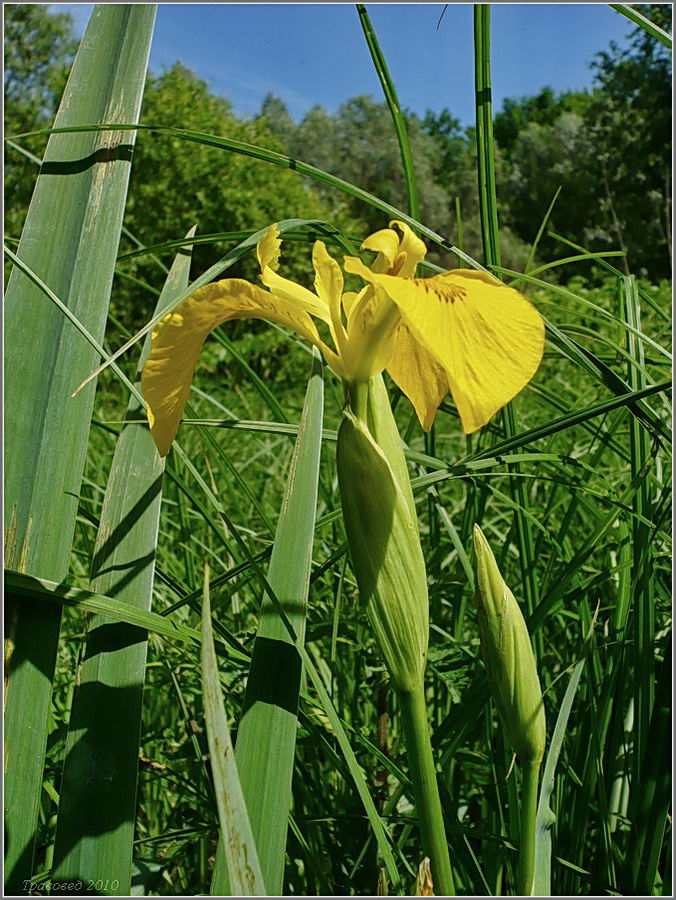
358	394
426	790
529	808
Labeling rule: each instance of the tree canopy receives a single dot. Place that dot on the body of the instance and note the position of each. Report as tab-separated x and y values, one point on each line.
607	149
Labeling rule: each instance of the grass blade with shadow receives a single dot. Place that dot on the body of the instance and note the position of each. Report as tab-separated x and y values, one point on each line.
243	868
266	738
95	825
82	185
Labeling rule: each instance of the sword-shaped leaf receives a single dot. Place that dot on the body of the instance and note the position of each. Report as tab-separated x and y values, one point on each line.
70	240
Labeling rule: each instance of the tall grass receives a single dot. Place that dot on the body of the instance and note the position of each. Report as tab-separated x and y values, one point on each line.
571	487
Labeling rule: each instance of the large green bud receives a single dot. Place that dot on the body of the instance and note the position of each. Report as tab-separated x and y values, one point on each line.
509	658
382	532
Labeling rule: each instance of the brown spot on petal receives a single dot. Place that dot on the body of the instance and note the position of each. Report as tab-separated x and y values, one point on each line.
447	293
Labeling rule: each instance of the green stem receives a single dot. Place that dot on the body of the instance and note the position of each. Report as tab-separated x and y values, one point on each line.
358	398
426	790
529	809
397	116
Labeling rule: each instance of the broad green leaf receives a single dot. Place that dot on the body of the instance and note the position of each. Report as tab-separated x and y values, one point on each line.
82	186
266	738
95	825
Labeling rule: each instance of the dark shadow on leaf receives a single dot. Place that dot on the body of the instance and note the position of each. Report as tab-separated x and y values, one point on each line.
274	676
76	166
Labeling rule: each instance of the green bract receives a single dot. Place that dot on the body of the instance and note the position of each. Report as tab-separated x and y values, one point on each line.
509	657
382	532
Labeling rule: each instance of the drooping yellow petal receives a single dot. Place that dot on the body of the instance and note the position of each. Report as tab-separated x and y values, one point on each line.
269	248
179	337
487	337
411	246
418	374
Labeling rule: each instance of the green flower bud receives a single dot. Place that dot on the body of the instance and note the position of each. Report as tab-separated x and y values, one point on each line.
509	658
382	532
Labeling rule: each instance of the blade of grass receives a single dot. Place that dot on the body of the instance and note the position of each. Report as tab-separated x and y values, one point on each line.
639	19
314	675
643	608
82	185
95	825
325	233
655	800
488	207
244	870
459	227
569	420
545	816
266	737
490	236
395	110
538	236
663	314
276	159
554	426
73	319
26	588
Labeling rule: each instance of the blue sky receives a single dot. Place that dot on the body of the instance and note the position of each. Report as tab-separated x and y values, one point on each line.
311	54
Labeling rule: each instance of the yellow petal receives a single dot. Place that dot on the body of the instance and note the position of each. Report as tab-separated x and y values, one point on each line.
487	337
179	337
386	244
350	298
295	294
371	330
411	246
329	288
269	248
418	375
328	277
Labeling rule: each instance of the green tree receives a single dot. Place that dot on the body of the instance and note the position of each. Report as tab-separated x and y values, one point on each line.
359	144
609	150
629	120
176	184
450	142
543	158
277	118
542	109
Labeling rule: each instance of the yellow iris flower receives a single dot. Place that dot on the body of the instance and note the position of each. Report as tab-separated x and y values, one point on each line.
461	330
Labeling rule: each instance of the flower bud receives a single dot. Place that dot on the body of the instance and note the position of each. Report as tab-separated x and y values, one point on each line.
382	532
509	658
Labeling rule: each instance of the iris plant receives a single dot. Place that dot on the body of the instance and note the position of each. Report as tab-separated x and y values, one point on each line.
461	332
